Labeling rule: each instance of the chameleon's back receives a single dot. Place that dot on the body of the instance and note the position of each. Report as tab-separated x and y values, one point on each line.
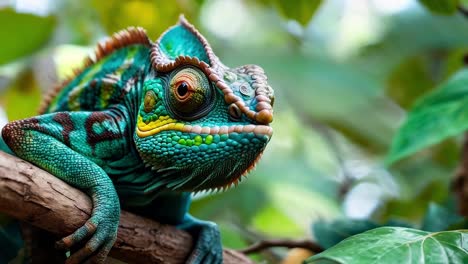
117	66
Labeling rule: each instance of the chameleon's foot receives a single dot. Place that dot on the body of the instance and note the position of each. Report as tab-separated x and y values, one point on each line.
208	248
96	249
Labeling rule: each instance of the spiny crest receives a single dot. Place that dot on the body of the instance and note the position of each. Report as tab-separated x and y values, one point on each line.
182	44
123	38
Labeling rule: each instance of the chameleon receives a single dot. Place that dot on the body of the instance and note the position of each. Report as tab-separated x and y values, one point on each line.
143	125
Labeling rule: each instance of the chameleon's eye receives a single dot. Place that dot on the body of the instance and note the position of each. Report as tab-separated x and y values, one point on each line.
150	101
190	94
182	91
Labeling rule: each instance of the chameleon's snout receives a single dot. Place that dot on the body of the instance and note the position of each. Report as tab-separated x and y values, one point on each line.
247	92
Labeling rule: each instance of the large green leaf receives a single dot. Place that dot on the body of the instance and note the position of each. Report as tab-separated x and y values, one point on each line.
443	7
398	245
435	117
22	34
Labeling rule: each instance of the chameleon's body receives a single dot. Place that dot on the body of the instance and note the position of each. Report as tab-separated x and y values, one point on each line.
142	125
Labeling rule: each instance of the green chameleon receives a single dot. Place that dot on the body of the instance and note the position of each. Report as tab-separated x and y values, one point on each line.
142	125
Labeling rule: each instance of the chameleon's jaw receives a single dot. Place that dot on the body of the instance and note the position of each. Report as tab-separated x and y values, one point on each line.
202	157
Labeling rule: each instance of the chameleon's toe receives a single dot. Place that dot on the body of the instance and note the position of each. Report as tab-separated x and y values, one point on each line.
90	250
208	248
97	247
81	233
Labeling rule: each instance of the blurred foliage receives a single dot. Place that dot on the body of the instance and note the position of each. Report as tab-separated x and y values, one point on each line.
301	11
154	16
439	218
21	99
409	80
445	7
336	113
18	38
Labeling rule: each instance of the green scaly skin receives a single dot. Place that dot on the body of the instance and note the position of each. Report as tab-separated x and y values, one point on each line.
143	125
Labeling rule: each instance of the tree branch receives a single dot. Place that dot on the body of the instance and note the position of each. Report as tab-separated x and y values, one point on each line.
32	195
288	243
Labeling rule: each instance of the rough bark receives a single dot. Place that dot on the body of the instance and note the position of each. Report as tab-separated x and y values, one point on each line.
37	197
460	182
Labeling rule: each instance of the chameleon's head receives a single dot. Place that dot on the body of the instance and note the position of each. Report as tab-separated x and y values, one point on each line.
200	124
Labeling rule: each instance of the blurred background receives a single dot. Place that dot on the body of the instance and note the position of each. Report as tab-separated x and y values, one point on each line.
344	72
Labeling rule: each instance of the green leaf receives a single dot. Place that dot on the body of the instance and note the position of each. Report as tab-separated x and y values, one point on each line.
439	218
331	233
301	11
398	245
438	115
22	34
442	7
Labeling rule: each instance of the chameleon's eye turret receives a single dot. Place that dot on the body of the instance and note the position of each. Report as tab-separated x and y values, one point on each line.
190	94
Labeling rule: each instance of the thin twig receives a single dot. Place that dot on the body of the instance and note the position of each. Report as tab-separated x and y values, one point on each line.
287	243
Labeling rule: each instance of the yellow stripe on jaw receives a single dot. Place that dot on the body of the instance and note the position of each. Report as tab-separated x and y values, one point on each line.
161	124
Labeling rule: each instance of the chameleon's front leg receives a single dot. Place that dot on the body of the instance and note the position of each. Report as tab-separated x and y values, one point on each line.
46	143
208	247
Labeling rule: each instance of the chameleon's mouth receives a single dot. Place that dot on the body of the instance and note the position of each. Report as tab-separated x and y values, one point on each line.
201	157
145	130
